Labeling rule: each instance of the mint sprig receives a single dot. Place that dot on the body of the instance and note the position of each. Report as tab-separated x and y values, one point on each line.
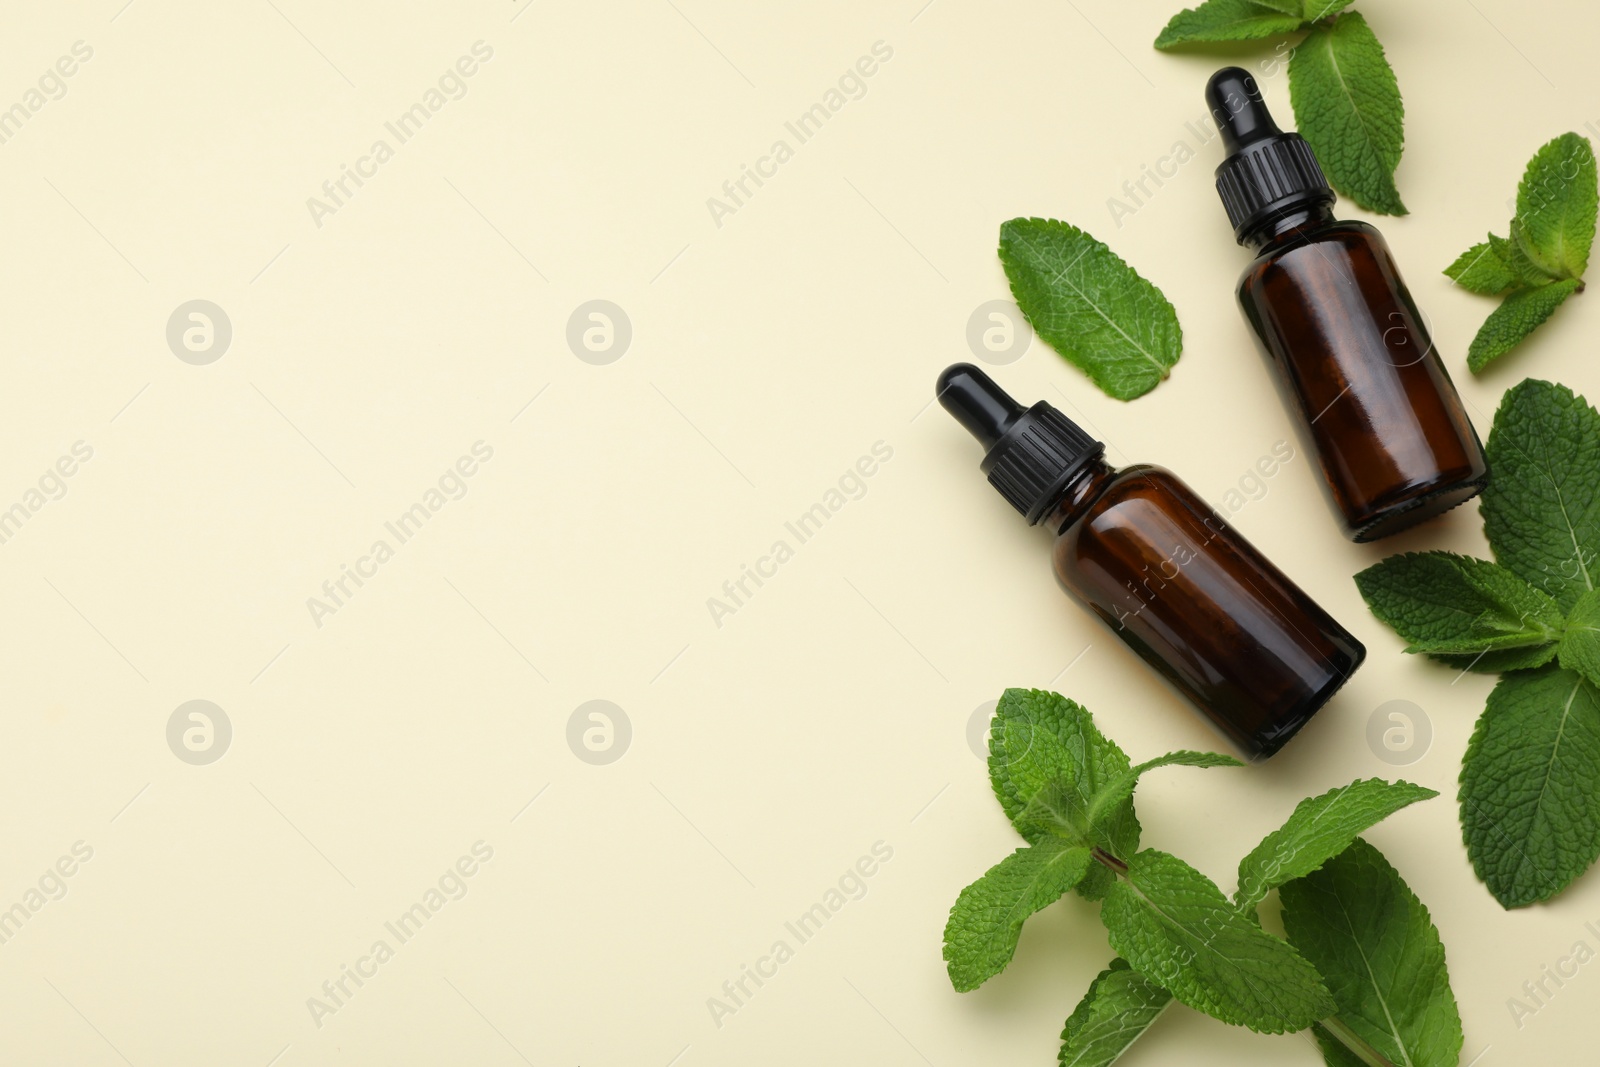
1346	97
1530	779
988	916
1319	829
1090	306
1172	923
1068	789
1447	604
1530	785
1347	104
1374	943
1542	261
1230	20
1580	642
1119	1007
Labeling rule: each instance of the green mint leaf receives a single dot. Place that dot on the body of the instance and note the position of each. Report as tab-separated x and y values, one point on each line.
1113	797
1445	603
1580	645
1120	1005
986	921
1530	809
1556	206
1375	945
1044	747
1483	269
1515	251
1320	828
1098	882
1498	661
1347	104
1060	810
1229	20
1541	510
1105	819
1173	925
1090	306
1321	9
1518	315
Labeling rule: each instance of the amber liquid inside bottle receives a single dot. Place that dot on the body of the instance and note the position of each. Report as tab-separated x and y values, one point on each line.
1355	363
1198	603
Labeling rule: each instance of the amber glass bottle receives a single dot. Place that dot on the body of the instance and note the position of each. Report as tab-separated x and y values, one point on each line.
1352	355
1162	570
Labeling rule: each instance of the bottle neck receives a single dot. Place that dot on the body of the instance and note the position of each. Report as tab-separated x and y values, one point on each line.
1287	225
1083	490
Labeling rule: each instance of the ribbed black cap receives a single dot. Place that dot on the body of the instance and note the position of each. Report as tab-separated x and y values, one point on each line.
1266	171
1031	453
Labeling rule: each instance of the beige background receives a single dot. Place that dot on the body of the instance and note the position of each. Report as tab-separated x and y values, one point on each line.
768	354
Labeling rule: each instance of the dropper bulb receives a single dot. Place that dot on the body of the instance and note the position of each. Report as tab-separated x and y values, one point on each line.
1236	105
985	409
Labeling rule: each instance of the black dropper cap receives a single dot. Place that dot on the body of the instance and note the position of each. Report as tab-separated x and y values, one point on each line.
1030	453
1267	172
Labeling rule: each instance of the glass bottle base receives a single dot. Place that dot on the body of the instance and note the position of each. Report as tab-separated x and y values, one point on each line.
1407	513
1266	744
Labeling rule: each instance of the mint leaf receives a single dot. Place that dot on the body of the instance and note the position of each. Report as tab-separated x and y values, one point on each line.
1173	925
1375	945
1515	251
1556	206
1047	760
1229	20
1321	9
986	921
1090	306
1106	820
1580	645
1445	603
1530	809
1347	103
1113	797
1541	510
1519	315
1124	836
1483	269
1320	828
1120	1005
1498	661
1042	741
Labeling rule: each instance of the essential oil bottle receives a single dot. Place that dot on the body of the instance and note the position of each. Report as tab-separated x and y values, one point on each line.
1162	570
1352	355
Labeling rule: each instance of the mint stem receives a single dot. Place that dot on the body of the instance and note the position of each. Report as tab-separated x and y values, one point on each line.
1108	860
1352	1041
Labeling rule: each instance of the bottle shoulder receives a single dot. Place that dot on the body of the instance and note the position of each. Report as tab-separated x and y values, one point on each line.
1353	236
1134	483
